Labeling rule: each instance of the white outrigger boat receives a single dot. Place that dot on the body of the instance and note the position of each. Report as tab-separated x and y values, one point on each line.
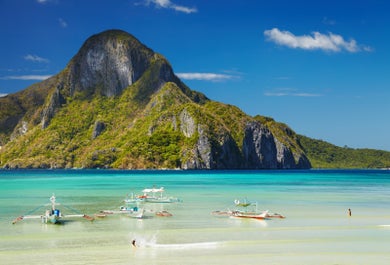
133	212
253	214
52	215
130	209
153	195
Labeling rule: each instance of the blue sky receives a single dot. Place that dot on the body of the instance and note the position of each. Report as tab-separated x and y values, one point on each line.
322	67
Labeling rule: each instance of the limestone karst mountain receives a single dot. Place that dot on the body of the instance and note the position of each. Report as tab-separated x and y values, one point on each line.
118	104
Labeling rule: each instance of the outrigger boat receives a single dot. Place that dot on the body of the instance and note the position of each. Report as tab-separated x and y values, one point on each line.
153	195
52	215
133	212
258	216
128	209
243	214
254	214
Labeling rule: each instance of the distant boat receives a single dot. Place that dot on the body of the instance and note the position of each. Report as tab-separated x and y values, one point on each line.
52	215
153	195
243	211
247	214
163	213
258	216
130	209
134	212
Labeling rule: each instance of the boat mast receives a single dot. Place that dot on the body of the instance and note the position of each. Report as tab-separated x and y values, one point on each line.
53	202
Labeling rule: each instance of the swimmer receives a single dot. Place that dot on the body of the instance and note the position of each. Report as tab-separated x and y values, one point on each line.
133	243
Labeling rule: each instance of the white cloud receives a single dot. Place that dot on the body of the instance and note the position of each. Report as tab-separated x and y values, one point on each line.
318	41
170	5
3	95
26	77
45	1
205	76
63	23
289	92
35	58
284	94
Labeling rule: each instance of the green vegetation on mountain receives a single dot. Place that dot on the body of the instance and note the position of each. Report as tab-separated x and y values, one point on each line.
21	104
325	155
134	137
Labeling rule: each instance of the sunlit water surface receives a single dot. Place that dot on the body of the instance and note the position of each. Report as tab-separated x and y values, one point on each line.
316	230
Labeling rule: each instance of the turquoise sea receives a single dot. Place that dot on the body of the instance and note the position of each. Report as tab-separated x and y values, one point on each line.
317	228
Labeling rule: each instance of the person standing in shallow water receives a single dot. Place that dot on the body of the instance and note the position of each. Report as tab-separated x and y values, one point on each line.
349	212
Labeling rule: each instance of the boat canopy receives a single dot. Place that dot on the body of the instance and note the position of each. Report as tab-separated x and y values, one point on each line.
153	190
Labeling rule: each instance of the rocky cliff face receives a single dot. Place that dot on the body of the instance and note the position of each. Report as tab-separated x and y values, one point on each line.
259	150
55	102
110	61
119	104
259	147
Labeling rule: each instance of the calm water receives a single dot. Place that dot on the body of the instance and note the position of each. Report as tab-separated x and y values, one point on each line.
317	229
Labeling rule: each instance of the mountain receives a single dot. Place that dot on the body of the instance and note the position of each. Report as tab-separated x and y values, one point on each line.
118	104
325	155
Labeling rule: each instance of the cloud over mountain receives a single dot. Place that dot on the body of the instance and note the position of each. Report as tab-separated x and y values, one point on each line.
26	77
204	76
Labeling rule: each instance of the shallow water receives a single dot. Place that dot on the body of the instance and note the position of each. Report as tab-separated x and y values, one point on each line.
317	229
